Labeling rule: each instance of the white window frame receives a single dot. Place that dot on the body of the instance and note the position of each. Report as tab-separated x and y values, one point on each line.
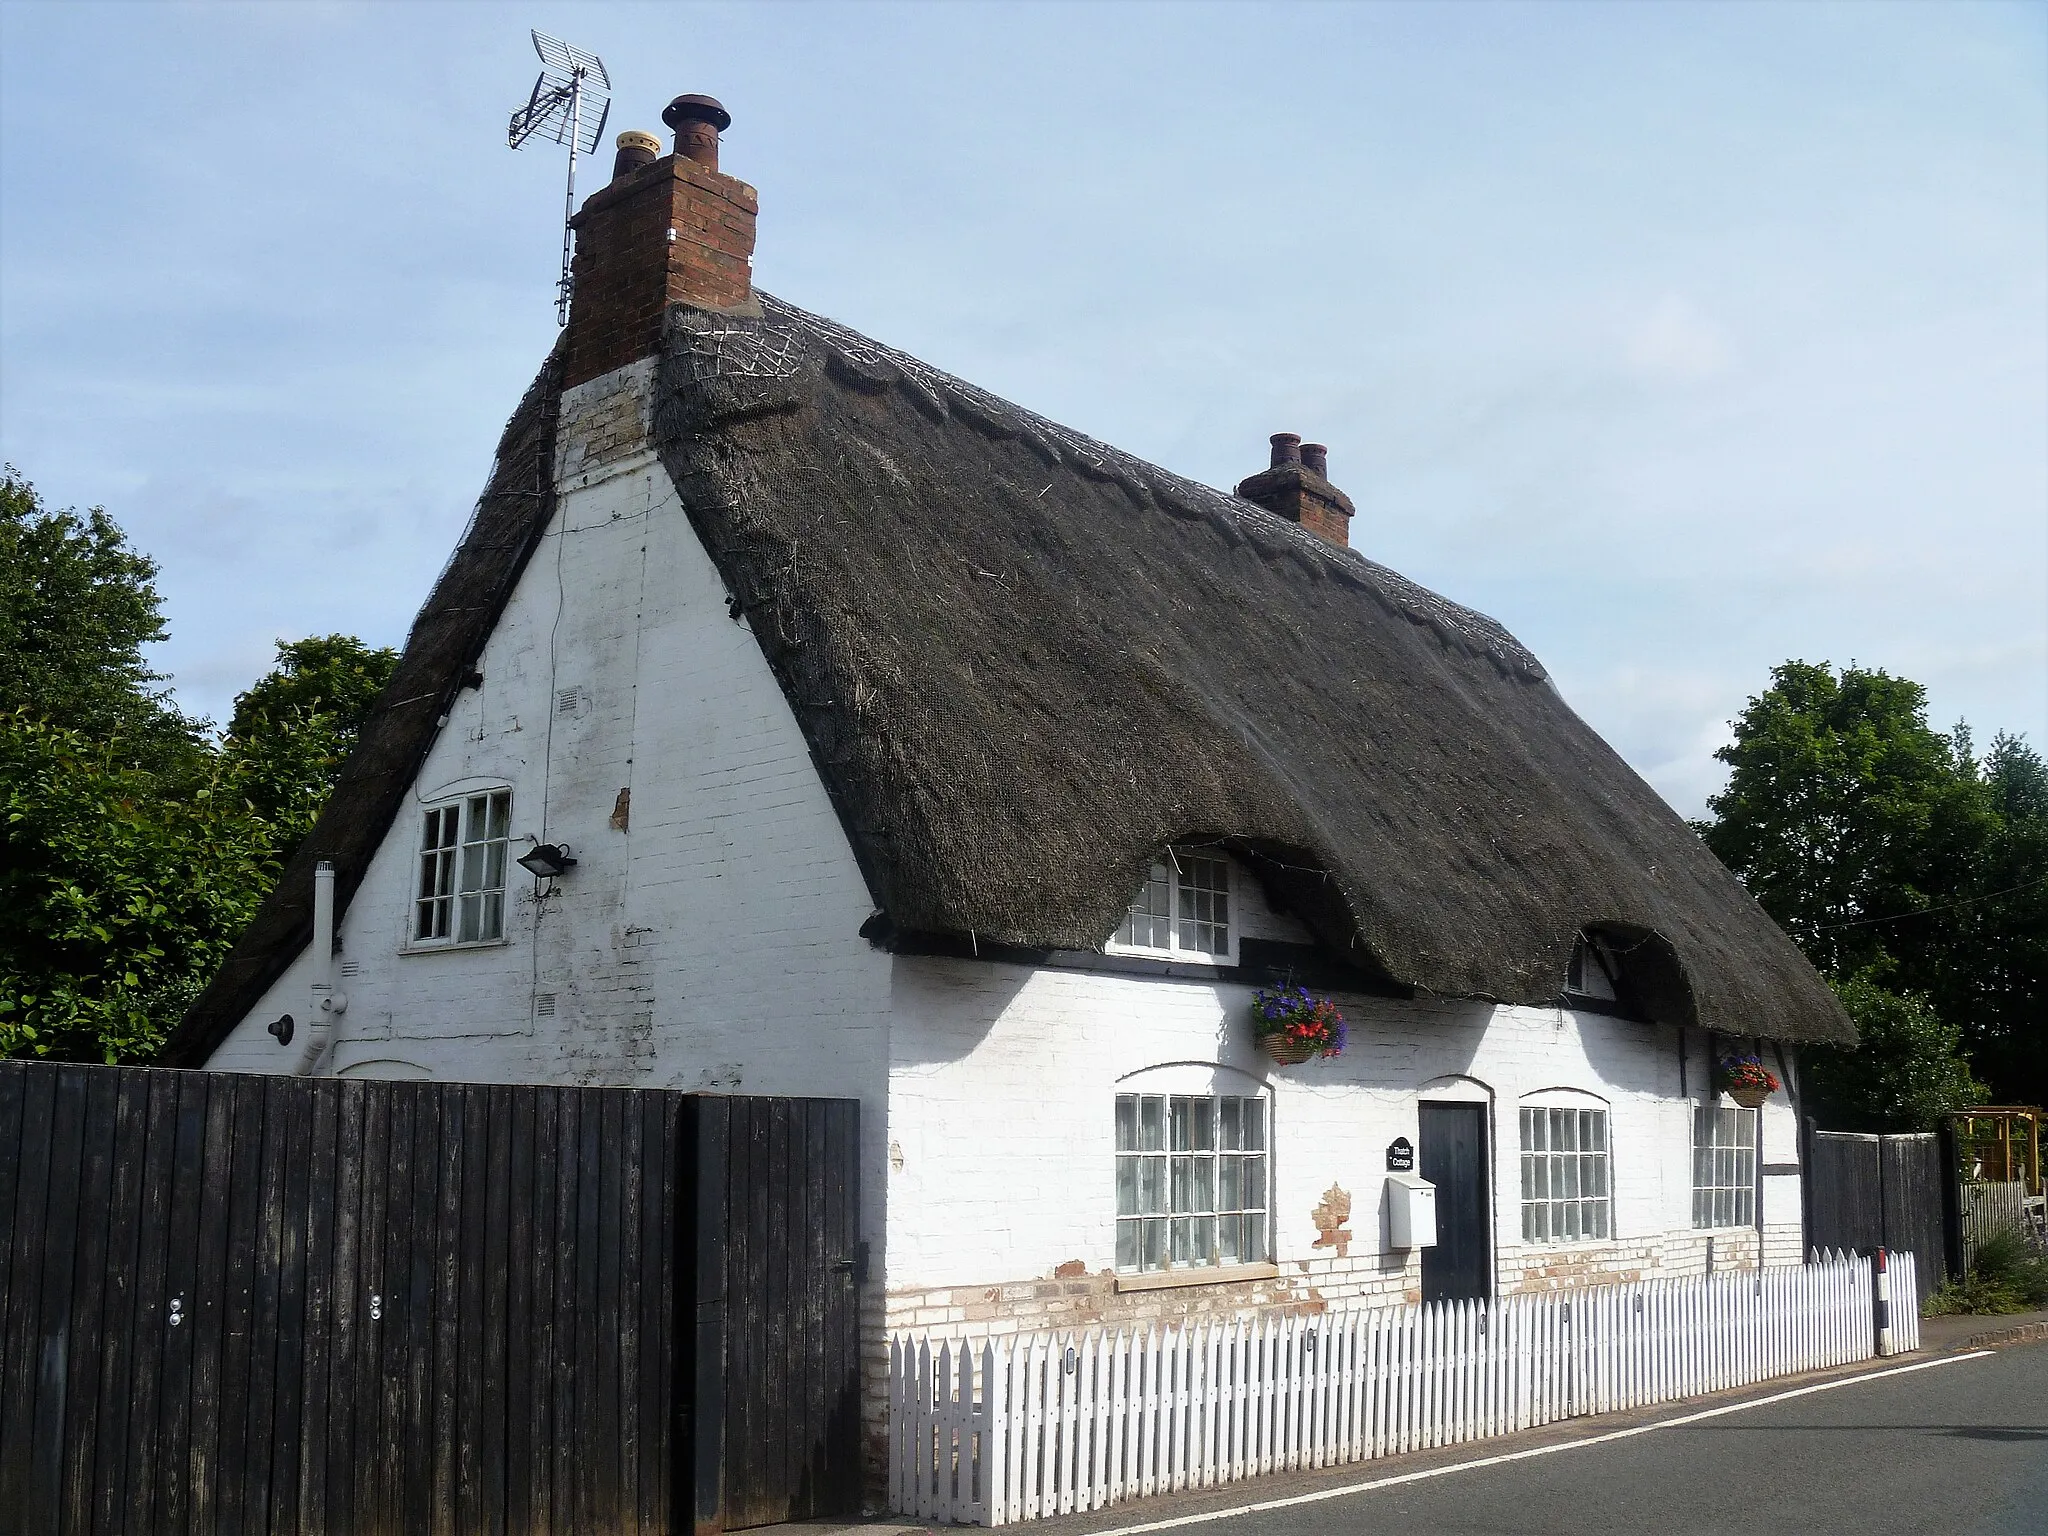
1567	1187
1724	1152
1177	900
1193	1181
460	868
1593	973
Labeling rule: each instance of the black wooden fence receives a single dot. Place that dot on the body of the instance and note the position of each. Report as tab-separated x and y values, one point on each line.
1884	1192
262	1304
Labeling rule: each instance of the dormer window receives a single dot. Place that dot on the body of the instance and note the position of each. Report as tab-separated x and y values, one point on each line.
1595	972
1182	912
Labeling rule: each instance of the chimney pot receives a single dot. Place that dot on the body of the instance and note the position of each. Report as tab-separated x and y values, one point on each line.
1286	448
697	121
1315	457
635	150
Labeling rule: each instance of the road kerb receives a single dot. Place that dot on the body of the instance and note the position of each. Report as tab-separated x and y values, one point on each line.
1996	1336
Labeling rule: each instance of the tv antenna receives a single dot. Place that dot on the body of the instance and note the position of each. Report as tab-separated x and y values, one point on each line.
570	103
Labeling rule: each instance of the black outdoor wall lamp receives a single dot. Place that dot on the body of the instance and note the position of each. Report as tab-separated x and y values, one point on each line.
545	861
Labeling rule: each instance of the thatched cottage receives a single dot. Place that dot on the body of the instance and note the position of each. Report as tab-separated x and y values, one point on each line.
913	748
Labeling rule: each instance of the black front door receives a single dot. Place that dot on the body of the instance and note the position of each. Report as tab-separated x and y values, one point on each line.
1453	1158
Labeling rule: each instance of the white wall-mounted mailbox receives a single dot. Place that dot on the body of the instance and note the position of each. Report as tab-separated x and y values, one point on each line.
1411	1211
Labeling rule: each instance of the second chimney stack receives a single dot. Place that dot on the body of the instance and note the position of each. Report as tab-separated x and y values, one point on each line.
1297	487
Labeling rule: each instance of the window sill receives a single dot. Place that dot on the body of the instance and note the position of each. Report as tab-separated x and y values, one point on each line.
1567	1244
1180	957
1167	1279
442	949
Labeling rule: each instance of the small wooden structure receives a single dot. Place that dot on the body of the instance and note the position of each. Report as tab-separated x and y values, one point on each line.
2001	1143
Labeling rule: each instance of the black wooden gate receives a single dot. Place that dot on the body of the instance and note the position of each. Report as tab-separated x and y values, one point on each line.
261	1304
1867	1191
777	1363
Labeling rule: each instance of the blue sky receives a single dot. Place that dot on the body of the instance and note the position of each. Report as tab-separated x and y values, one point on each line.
1681	339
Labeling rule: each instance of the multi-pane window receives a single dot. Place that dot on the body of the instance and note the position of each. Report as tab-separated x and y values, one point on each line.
1566	1195
1723	1166
1183	908
1593	972
463	852
1190	1181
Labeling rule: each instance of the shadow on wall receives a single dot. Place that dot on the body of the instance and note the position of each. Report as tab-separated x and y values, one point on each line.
952	1004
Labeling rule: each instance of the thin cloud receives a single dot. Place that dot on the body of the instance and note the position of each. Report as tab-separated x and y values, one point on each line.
1677	340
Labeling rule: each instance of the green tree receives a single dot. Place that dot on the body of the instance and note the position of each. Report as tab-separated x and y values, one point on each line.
77	605
1905	1075
1912	876
134	848
1993	979
1843	807
120	893
292	731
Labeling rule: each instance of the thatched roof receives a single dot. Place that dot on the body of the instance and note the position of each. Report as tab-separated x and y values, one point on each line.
1025	662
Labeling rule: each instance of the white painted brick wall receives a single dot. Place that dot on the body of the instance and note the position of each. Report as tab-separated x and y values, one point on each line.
1003	1081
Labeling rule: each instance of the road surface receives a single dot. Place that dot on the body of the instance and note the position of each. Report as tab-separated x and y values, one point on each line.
1960	1449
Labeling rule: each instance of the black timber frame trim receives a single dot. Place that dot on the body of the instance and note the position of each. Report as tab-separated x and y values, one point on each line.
1261	962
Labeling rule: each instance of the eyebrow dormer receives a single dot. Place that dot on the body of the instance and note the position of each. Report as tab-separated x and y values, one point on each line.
1183	911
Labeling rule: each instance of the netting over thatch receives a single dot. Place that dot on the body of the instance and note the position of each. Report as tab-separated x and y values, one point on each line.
446	639
1025	662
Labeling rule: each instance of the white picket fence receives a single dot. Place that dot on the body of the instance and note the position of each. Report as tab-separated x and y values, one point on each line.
1050	1424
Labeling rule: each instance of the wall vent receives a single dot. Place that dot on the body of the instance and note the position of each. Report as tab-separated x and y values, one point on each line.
351	967
570	701
544	1004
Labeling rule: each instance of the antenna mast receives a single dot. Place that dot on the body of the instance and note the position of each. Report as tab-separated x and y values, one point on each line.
572	89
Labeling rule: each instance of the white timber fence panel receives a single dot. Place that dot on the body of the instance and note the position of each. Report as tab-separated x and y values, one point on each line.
1035	1425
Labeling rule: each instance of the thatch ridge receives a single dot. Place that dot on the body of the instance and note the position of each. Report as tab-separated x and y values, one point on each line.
441	649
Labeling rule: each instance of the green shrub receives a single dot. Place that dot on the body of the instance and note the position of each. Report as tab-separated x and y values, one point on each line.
2007	1274
2006	1257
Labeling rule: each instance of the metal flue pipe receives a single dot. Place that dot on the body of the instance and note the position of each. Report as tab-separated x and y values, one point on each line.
328	1001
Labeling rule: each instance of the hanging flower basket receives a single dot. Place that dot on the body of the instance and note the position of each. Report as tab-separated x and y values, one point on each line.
1289	1053
1747	1081
1294	1025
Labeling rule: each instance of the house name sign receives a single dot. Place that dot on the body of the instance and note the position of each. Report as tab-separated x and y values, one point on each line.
1401	1155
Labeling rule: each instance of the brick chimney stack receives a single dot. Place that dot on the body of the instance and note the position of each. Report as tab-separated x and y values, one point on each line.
1297	487
673	230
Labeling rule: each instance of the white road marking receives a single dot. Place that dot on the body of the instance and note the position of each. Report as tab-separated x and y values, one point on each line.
1541	1450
